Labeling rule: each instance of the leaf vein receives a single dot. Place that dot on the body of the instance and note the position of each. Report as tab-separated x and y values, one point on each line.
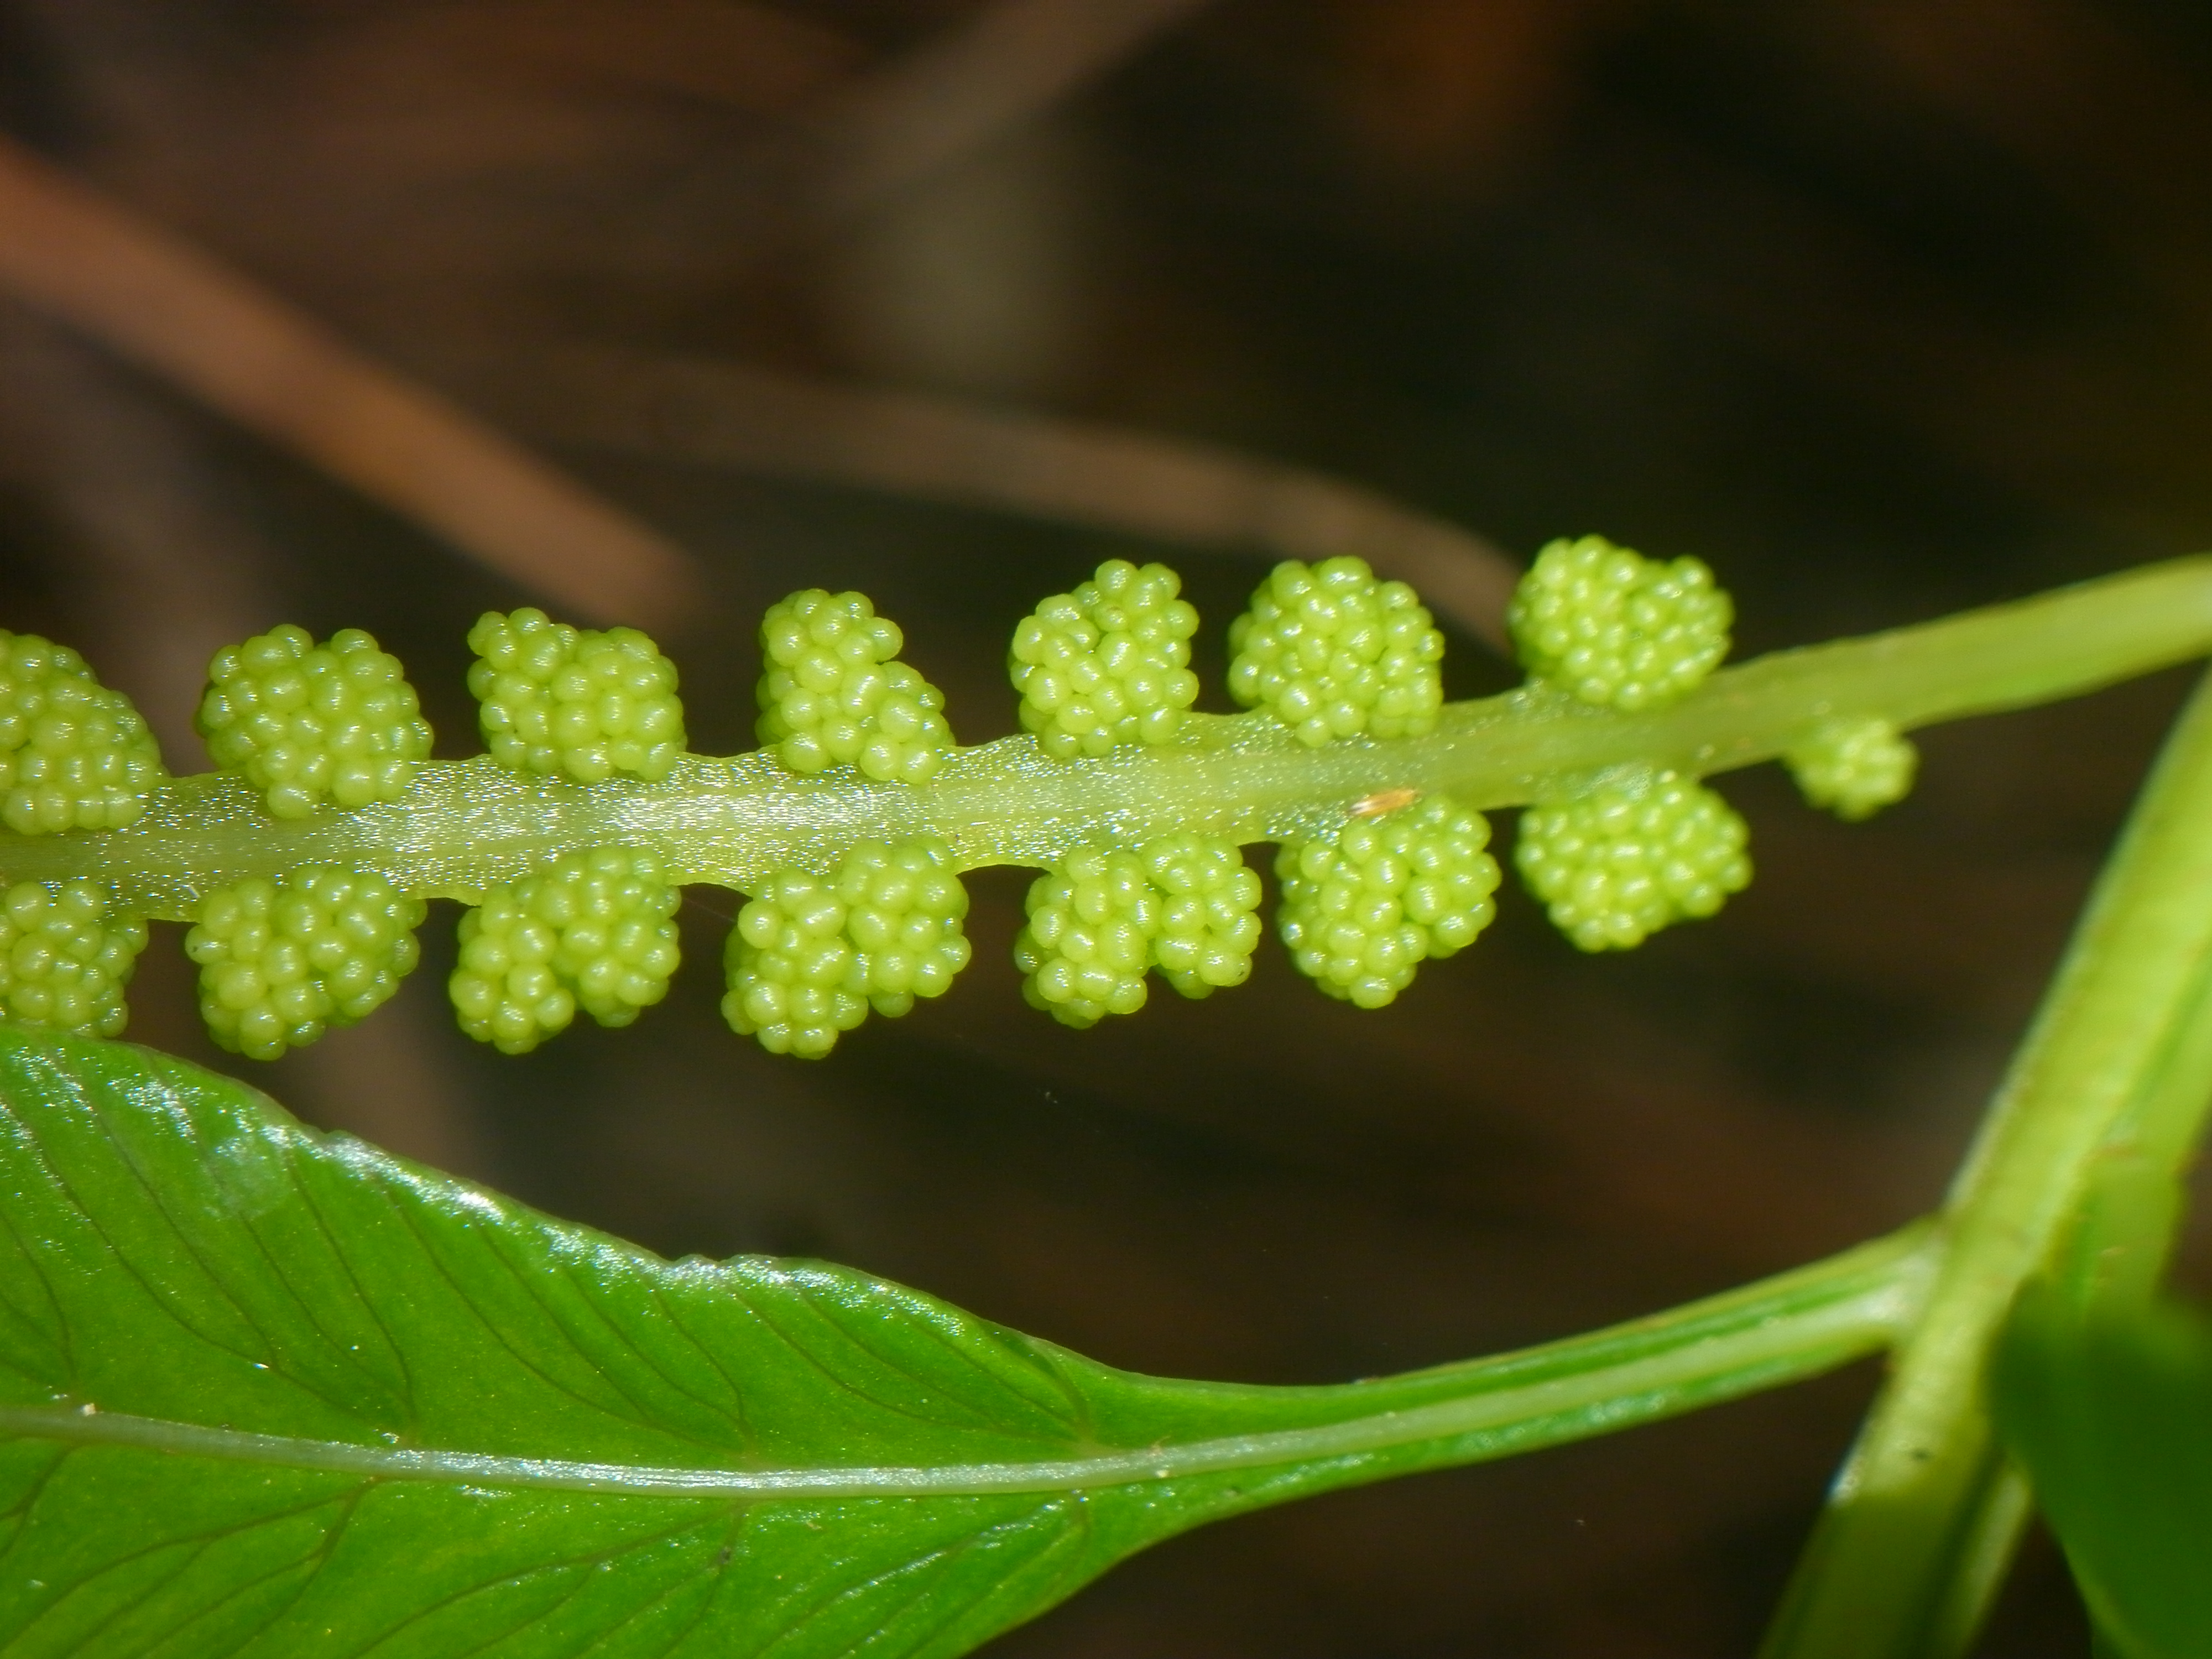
918	1575
599	1643
304	1191
324	1553
748	1438
164	1303
29	1500
566	1271
954	1613
589	1559
499	1336
897	1366
64	1589
841	1384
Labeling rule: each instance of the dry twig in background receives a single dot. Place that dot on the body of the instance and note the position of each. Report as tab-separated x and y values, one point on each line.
160	302
164	574
889	129
941	449
1012	62
134	528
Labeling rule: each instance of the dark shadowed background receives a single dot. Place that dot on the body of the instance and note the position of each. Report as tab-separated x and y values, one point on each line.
1881	308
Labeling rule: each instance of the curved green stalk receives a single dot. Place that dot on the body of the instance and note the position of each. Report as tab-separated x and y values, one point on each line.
2116	1067
2116	1248
1995	1520
1784	1329
467	826
247	1344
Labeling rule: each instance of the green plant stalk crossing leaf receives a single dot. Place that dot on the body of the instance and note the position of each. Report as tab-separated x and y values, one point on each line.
267	1393
1920	1499
2108	1269
1992	1522
465	826
2114	1250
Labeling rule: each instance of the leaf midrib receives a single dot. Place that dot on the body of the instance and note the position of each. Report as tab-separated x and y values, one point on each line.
1562	1408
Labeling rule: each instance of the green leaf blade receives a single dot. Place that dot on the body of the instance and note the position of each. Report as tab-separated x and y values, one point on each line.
266	1393
2111	1410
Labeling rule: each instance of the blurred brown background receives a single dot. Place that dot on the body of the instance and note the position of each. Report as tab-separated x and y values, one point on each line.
1883	308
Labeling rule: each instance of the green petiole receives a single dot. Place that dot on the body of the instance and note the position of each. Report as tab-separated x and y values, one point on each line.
1784	1330
2113	1073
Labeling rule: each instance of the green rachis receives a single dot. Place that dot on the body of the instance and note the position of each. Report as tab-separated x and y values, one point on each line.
306	864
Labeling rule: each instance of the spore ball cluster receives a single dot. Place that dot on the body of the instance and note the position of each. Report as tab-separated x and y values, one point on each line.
66	957
1326	653
812	954
311	724
836	694
1854	768
1631	855
594	932
1183	903
1616	629
73	754
1331	652
1366	904
574	702
281	960
1108	664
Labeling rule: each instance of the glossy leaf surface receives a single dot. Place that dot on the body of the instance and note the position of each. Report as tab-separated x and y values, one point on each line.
2111	1414
266	1393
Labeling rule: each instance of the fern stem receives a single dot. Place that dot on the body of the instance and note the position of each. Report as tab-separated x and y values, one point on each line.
1918	1503
466	826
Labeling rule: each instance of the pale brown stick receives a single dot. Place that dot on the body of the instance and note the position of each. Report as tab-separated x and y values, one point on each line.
1013	61
940	449
895	126
159	573
155	299
163	575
